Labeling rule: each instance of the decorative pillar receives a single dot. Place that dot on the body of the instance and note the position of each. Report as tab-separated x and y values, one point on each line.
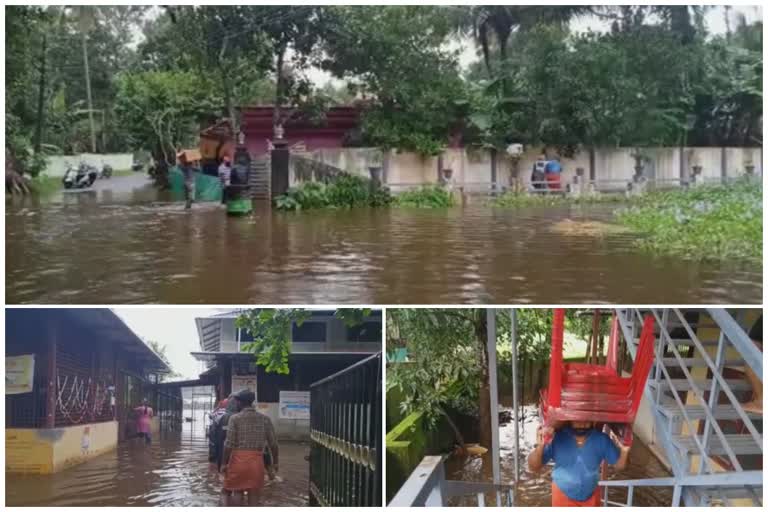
280	157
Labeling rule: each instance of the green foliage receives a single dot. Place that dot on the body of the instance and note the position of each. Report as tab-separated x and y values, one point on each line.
271	330
425	197
522	200
344	191
444	360
395	57
721	223
161	110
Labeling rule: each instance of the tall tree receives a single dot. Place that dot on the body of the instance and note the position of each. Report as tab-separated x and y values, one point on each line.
394	58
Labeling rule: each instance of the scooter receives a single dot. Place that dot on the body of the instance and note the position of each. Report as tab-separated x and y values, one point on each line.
83	177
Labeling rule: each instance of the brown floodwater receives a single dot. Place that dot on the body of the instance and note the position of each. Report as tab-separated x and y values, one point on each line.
122	243
173	471
534	490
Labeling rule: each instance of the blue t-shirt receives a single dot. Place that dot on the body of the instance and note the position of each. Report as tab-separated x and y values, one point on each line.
577	470
553	166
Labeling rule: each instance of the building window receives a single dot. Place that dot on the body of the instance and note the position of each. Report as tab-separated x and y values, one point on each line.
366	332
309	332
244	336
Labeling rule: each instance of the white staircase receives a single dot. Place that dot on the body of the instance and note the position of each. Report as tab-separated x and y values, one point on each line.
714	447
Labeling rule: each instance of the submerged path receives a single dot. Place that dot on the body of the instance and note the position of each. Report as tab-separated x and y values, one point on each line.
123	244
173	471
535	489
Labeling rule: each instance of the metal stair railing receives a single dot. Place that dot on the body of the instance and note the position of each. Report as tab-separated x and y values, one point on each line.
729	330
750	478
427	487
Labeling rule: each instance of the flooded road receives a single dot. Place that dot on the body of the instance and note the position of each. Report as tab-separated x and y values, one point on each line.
173	471
123	244
534	490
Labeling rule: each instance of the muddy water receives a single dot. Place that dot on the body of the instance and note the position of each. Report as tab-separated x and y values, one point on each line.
123	244
173	471
534	490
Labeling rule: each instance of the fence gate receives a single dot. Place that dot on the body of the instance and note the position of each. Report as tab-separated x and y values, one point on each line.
345	428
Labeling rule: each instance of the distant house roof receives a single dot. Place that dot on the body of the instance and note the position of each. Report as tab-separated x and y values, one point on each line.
258	120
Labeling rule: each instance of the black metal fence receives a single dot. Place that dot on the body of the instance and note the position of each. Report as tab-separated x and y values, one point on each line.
345	427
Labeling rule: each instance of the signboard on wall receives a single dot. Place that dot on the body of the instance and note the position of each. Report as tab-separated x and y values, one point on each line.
19	374
241	382
294	405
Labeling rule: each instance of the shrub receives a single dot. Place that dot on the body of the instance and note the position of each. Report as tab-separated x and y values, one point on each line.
426	197
346	191
703	223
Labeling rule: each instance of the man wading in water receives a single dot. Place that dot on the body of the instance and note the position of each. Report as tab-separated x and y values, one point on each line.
577	451
143	424
248	434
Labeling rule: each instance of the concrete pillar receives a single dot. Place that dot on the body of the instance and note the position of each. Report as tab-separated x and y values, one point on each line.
494	171
280	157
385	167
723	164
51	375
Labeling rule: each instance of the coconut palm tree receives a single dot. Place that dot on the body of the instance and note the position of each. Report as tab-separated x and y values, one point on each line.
493	25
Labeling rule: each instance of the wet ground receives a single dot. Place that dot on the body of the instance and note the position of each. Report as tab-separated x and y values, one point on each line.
173	471
122	243
534	490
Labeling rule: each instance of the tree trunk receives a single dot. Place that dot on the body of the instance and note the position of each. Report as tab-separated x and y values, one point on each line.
88	91
279	83
503	68
456	432
40	100
226	86
481	334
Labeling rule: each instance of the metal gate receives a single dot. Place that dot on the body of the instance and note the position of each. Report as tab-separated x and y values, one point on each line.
345	428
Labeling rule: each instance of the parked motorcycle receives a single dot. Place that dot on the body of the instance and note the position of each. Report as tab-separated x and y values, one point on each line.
82	177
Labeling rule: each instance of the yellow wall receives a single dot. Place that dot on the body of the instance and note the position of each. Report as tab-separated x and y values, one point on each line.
80	443
27	452
49	450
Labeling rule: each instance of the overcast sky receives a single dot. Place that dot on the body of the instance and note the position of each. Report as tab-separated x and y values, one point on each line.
172	327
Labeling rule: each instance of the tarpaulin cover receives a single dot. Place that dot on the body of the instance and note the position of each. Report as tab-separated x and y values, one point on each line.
207	188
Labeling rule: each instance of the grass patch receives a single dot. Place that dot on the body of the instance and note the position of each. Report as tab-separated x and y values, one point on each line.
720	222
425	197
124	172
524	199
45	185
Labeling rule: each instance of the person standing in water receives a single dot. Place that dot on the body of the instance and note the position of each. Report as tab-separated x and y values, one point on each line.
577	450
225	174
188	172
248	434
144	414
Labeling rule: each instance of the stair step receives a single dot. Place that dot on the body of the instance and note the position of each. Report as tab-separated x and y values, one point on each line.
688	343
696	412
671	362
683	385
716	494
740	444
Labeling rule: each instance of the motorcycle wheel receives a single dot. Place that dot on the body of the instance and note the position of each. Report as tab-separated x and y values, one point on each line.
67	184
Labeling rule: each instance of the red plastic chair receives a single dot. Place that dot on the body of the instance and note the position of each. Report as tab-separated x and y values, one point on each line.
587	392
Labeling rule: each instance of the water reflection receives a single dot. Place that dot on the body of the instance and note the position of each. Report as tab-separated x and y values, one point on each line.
125	246
173	471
